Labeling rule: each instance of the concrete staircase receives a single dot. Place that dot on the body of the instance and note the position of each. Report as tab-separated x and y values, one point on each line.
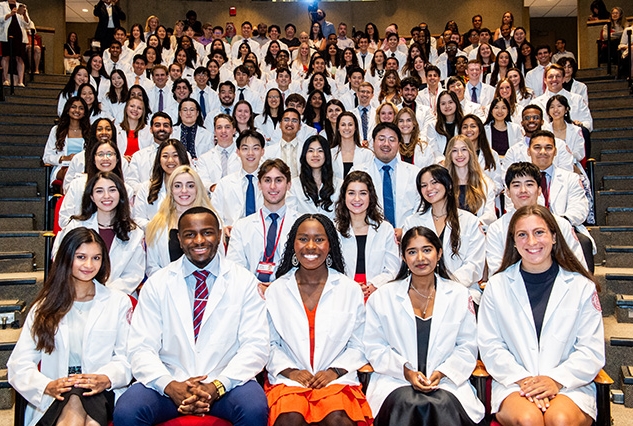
612	146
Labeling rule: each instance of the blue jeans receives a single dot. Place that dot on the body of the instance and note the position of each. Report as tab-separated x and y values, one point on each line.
244	405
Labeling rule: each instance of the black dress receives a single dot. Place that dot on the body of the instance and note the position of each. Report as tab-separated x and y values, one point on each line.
19	48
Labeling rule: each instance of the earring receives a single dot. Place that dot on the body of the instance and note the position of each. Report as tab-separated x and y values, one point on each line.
294	260
328	261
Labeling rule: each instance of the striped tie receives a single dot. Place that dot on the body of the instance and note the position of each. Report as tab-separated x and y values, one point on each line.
200	300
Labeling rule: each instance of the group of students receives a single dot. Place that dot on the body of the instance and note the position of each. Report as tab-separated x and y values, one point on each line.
371	204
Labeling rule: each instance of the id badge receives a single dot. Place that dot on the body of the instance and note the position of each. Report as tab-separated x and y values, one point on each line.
266	268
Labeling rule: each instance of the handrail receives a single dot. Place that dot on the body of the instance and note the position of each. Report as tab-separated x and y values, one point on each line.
628	33
591	174
48	248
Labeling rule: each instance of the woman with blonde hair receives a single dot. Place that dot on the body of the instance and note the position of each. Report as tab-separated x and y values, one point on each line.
474	191
413	149
184	190
151	25
386	112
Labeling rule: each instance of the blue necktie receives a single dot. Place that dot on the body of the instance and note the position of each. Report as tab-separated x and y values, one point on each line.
203	107
160	100
364	122
387	196
473	97
271	237
250	196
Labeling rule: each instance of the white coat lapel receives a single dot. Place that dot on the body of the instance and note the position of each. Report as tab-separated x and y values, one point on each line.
96	310
559	290
62	346
517	287
217	292
409	343
442	297
180	295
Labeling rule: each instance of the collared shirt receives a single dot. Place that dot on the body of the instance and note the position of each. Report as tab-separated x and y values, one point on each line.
478	87
267	220
393	163
188	268
289	155
549	174
244	181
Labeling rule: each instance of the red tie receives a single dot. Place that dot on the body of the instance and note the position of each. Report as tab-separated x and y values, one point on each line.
200	300
545	188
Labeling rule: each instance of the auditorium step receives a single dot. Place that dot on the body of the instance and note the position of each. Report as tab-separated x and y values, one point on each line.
24	174
616	99
21	241
21	285
618	349
18	189
47	120
609	123
22	128
603	140
616	154
17	261
617	183
33	109
610	199
618	256
21	221
609	235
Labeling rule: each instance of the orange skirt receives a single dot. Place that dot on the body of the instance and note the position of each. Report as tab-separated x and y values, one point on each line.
315	404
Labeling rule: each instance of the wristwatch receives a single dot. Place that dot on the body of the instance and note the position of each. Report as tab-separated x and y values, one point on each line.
219	388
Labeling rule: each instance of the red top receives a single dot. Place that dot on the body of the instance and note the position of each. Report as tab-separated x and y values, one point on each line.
311	317
132	143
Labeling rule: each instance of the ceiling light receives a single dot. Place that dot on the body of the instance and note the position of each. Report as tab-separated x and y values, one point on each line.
84	10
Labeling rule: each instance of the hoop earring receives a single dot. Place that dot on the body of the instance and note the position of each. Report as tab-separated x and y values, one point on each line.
294	260
328	261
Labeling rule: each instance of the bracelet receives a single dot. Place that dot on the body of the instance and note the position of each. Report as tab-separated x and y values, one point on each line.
338	371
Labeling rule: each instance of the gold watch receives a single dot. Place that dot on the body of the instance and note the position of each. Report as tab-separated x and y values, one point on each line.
219	387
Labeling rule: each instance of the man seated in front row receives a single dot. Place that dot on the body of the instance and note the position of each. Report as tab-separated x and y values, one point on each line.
198	337
522	185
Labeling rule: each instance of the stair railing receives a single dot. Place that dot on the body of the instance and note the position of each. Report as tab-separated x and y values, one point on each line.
628	36
591	174
48	250
609	47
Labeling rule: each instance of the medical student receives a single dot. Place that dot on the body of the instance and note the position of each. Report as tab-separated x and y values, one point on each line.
289	146
540	330
106	209
258	241
222	159
522	186
392	177
463	240
237	195
420	338
190	131
368	241
70	360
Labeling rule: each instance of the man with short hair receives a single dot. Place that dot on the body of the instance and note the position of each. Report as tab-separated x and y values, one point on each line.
561	52
175	71
394	179
364	55
221	160
505	41
236	195
247	32
356	76
283	82
476	90
140	168
446	61
365	113
477	22
428	96
226	98
409	91
159	95
473	39
392	51
202	92
243	92
289	146
110	15
137	75
192	21
290	38
207	37
327	27
198	337
523	187
114	61
534	79
261	38
258	241
342	40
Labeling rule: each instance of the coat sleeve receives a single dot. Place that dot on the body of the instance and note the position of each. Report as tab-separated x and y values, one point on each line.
353	356
577	203
474	256
587	357
499	361
390	262
278	359
381	355
118	369
134	270
51	155
237	250
24	375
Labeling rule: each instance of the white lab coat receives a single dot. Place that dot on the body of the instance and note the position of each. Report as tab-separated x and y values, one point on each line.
519	152
498	232
567	196
578	109
486	213
127	258
141	165
297	200
573	139
104	339
485	95
571	347
246	246
157	256
390	342
406	198
52	155
339	324
161	346
467	266
229	197
25	23
382	258
515	134
71	203
142	211
361	155
204	139
209	165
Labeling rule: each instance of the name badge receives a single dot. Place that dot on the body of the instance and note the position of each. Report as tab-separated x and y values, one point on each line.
266	268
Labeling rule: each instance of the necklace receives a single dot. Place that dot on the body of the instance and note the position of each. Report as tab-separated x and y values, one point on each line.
428	298
101	225
439	216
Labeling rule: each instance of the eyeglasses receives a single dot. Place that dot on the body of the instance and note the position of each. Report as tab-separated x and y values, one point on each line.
106	155
290	120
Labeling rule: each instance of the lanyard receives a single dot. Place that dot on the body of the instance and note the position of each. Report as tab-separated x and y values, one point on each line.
281	225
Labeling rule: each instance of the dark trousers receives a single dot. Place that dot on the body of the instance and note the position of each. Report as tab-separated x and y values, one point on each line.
244	405
587	250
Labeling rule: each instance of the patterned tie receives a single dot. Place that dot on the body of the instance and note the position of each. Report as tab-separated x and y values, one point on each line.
200	300
387	196
250	196
473	97
545	188
227	111
137	80
364	122
203	107
224	161
160	100
271	237
241	97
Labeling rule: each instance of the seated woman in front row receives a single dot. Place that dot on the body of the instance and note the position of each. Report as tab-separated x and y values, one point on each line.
420	340
540	329
316	316
70	360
